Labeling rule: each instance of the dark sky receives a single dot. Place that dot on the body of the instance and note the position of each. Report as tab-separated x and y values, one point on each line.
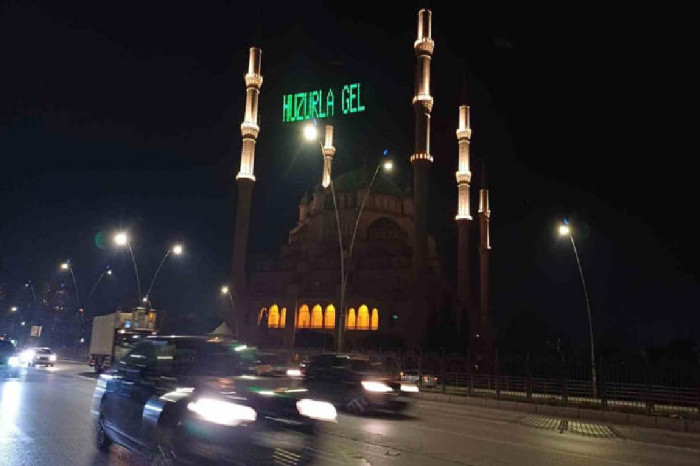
126	115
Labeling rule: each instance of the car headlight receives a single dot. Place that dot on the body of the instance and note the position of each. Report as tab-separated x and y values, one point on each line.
293	372
14	361
27	355
222	412
409	388
377	387
52	358
320	410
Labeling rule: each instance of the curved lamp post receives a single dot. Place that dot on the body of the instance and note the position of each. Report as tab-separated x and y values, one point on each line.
225	290
565	230
106	271
177	250
122	239
67	266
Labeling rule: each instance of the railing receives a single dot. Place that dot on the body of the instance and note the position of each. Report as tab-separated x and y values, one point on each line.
627	384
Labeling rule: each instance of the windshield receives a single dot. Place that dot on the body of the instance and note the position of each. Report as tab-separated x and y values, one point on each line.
199	358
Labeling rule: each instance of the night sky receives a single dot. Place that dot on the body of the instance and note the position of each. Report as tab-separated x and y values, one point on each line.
126	115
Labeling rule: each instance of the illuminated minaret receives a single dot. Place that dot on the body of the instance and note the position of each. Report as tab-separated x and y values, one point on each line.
328	153
484	251
464	218
421	158
245	178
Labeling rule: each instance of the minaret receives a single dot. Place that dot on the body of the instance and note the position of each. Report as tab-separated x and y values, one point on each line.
421	158
245	178
328	153
484	251
464	219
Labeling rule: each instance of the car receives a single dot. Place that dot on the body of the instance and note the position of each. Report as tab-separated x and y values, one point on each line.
38	357
422	380
355	384
9	360
278	365
200	399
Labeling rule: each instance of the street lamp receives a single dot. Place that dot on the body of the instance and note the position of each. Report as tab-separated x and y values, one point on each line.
225	290
122	239
106	271
13	309
565	230
177	250
67	266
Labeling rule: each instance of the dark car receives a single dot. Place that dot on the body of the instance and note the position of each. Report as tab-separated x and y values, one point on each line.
189	399
355	384
9	360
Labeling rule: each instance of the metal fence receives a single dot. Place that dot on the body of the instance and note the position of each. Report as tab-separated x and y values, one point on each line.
623	383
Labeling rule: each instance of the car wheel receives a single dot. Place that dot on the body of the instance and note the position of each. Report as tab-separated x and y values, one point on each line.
102	440
51	365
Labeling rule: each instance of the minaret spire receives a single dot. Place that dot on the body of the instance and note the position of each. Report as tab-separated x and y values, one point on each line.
422	158
246	178
464	220
328	153
484	252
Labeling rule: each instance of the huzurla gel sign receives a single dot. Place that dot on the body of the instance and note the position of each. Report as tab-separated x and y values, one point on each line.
322	103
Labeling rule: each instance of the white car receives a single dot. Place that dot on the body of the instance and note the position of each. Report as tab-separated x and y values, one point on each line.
422	380
38	357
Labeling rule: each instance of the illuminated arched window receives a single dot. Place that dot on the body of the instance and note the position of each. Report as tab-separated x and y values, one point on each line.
304	317
374	320
273	317
316	317
283	317
329	318
261	315
363	318
351	322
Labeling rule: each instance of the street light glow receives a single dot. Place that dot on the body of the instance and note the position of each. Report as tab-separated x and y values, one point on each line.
564	230
224	289
177	249
64	266
145	299
13	309
388	166
121	239
310	133
109	272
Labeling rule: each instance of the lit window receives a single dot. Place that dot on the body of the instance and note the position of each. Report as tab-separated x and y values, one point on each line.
316	317
374	321
273	317
329	318
351	322
363	318
304	317
283	317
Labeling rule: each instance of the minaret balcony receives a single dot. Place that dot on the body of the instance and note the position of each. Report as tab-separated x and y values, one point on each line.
464	133
253	80
424	46
249	130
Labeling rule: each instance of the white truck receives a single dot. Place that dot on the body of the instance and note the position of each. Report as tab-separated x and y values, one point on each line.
114	334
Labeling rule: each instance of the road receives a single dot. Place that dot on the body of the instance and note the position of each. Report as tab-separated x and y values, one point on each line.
45	420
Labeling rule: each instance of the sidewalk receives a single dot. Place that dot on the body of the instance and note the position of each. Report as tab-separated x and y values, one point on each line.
675	424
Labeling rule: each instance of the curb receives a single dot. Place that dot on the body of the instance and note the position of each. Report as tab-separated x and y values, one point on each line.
679	424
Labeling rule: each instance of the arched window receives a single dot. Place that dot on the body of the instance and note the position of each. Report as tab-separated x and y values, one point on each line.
351	322
329	318
304	317
363	318
283	317
374	320
316	317
262	314
273	317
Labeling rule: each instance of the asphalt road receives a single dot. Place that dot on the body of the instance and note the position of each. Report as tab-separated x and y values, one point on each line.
45	420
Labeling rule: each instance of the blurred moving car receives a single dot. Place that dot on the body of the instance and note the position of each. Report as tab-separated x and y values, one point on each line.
38	357
422	380
279	365
355	384
193	399
9	360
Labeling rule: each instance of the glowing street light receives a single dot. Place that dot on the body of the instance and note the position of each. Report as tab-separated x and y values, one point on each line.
565	230
122	239
65	266
177	249
225	290
13	309
388	166
310	132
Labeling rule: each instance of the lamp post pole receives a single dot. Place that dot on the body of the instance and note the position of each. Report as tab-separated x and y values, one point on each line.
177	250
123	240
565	230
227	291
